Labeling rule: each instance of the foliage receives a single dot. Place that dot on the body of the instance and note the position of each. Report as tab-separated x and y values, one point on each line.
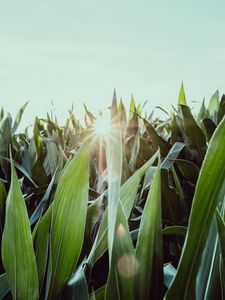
137	212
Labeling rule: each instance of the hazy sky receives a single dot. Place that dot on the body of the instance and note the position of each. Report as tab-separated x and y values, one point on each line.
77	51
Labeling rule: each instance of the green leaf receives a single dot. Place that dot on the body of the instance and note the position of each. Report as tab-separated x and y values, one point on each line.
173	153
120	284
19	262
18	118
182	97
128	194
77	287
99	294
221	111
114	108
114	157
169	273
194	136
176	134
41	207
42	243
209	127
132	108
68	220
202	113
4	286
23	171
207	191
38	171
132	127
93	214
89	114
134	152
148	281
175	230
52	157
5	139
213	107
3	196
123	118
208	281
188	169
172	205
221	232
156	139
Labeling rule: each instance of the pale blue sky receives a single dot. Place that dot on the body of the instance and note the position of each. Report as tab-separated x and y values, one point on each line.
78	51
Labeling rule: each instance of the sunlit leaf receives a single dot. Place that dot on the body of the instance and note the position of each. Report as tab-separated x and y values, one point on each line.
182	97
68	220
123	264
148	280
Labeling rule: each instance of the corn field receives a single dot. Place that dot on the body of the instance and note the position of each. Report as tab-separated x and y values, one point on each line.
125	206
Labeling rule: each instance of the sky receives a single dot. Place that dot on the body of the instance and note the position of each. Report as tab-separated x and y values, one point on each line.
59	52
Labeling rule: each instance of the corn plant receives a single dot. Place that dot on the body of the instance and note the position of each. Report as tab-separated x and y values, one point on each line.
120	207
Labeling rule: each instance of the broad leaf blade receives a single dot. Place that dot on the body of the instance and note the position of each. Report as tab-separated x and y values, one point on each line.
128	193
208	188
123	264
68	220
19	262
114	172
148	281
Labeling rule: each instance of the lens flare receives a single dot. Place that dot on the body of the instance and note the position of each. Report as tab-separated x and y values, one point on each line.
102	126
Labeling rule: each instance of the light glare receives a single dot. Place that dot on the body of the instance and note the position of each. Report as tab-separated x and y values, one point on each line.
102	126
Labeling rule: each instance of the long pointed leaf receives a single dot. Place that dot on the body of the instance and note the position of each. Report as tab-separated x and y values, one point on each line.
68	220
148	281
17	246
208	188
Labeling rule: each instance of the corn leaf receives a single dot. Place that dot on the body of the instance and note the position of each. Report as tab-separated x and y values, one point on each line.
68	220
93	214
221	111
3	197
221	232
202	113
156	139
209	127
114	157
114	108
42	244
182	97
18	118
4	286
208	188
128	193
173	154
99	294
123	263
19	262
77	287
175	230
195	138
148	281
214	107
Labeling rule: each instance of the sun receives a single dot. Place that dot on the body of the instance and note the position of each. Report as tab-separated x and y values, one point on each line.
102	126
